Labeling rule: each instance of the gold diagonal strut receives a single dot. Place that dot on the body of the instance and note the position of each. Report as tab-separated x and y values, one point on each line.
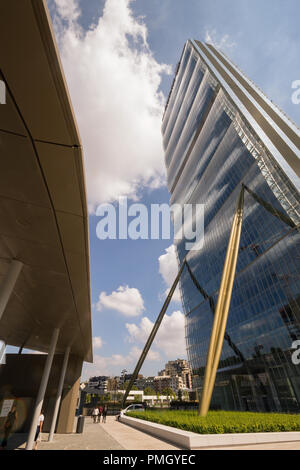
228	293
222	308
214	333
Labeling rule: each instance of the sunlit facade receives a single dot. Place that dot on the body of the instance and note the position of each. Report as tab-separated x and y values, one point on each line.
219	131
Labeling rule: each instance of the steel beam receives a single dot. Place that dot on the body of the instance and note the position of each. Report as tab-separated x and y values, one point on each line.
152	334
222	308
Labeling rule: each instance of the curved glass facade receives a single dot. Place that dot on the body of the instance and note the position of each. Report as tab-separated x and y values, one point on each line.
211	149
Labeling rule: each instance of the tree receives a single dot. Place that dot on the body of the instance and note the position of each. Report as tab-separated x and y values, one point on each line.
149	391
124	385
180	394
88	398
168	392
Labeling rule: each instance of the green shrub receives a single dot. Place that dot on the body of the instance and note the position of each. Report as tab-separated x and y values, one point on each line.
222	422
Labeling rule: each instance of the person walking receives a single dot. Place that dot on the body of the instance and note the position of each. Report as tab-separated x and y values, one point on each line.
38	429
104	414
100	413
95	413
8	425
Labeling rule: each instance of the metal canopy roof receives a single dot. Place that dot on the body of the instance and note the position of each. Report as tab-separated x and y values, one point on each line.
43	211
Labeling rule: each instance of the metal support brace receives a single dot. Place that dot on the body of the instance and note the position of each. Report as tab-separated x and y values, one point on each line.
212	308
152	335
222	308
280	215
221	312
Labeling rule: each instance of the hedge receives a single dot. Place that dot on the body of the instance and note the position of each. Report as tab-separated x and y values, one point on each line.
222	422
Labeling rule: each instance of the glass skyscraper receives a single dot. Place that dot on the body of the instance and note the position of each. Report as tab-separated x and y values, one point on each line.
220	131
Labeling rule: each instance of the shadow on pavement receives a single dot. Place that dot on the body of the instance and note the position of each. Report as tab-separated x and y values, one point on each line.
15	441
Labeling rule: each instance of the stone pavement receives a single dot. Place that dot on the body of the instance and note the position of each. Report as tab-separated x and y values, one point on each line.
118	436
109	436
94	437
132	439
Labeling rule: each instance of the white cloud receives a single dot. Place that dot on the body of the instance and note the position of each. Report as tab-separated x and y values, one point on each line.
126	300
112	365
168	268
170	337
97	342
67	9
140	332
113	80
223	43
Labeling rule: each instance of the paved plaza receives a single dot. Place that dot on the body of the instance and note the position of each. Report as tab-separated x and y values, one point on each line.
118	436
109	436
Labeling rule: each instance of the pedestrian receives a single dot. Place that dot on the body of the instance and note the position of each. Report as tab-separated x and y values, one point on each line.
100	413
8	425
104	413
38	429
95	413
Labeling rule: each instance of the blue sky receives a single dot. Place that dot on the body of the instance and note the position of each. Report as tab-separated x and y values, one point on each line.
264	35
119	76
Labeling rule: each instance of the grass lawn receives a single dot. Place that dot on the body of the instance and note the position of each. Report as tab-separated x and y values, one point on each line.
221	422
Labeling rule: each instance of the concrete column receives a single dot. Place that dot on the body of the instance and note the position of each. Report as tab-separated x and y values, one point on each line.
68	406
42	389
58	395
8	283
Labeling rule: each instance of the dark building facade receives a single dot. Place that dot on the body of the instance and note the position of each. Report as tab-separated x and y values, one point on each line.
220	131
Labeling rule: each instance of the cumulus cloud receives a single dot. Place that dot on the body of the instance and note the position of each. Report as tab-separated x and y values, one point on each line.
170	336
97	342
223	43
126	300
168	268
112	365
114	82
67	9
